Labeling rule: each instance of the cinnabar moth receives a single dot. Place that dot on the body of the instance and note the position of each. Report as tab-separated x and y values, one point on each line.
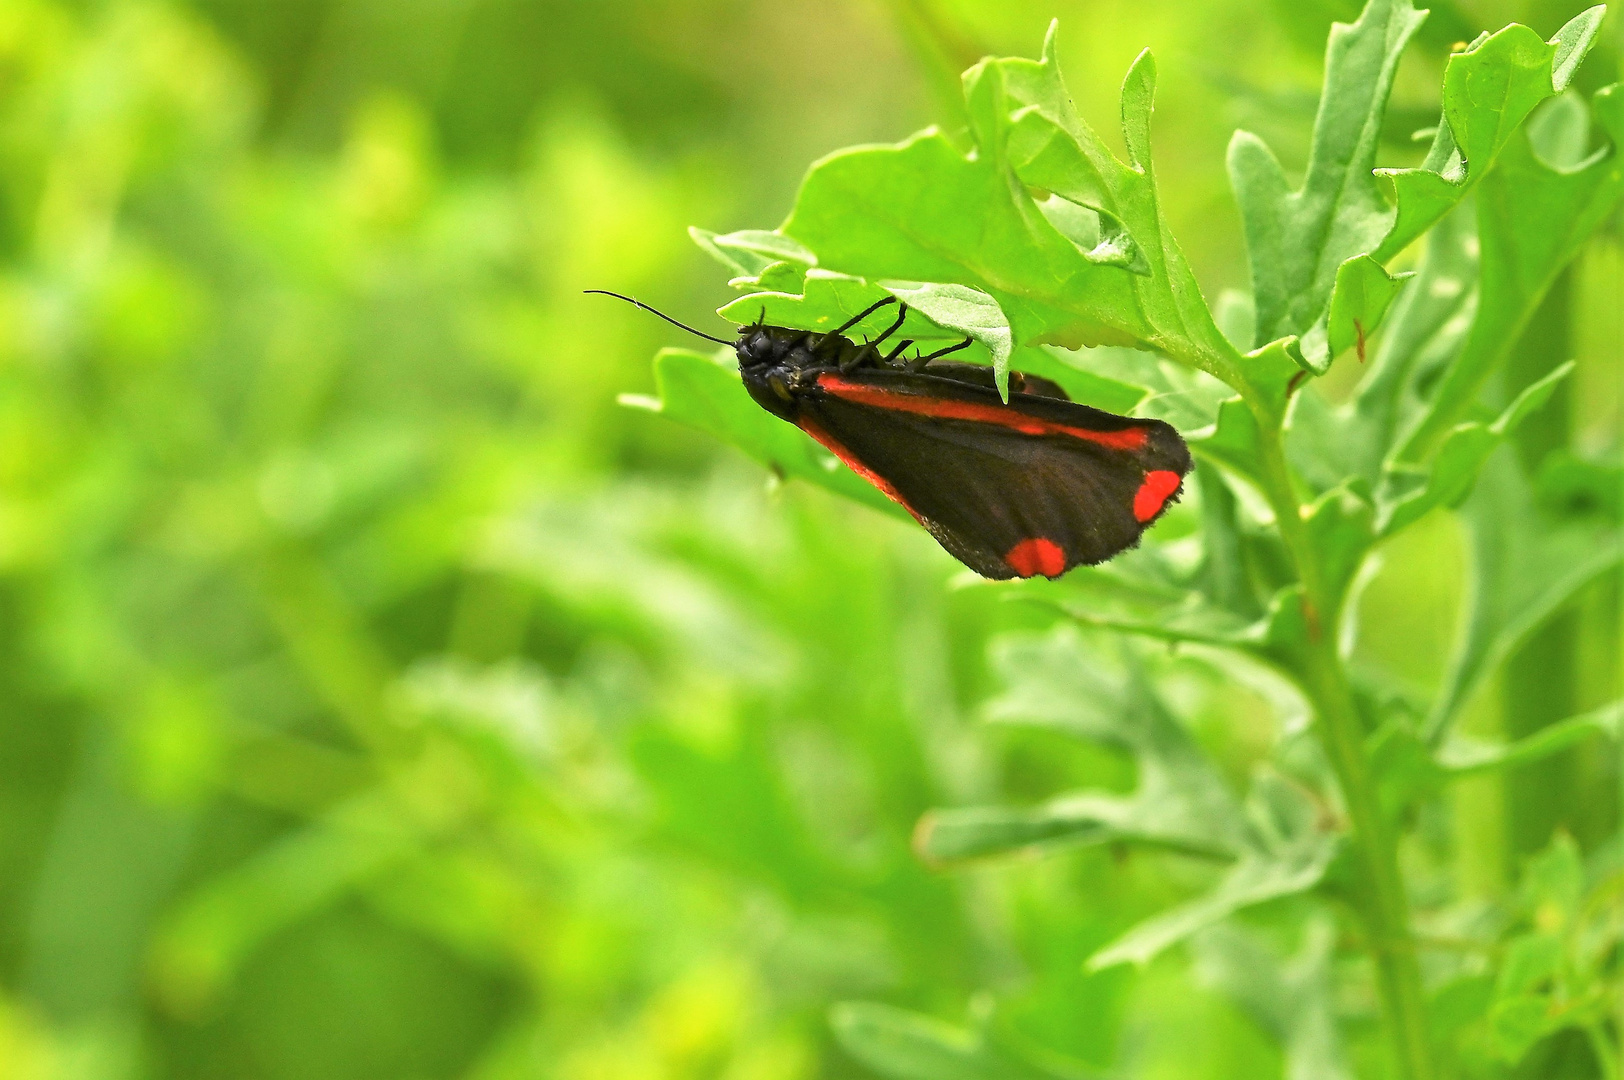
1033	486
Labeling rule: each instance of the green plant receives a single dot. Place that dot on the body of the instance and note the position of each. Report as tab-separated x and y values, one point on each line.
1027	233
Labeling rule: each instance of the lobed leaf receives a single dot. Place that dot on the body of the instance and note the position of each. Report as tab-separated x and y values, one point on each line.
1489	90
1407	495
924	211
1276	843
1408	770
1532	220
1431	317
1524	568
1304	246
1290	855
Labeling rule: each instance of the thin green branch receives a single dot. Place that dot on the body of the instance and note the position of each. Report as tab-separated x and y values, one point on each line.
1380	897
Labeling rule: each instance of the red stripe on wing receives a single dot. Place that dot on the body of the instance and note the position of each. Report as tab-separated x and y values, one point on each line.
838	449
1131	438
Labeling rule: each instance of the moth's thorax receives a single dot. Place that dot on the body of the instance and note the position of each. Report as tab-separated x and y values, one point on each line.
776	363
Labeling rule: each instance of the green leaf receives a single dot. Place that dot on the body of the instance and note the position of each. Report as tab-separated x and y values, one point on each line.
1290	998
1225	580
964	310
826	301
1056	681
905	1045
1489	90
1407	495
1089	387
1409	771
1434	310
1299	242
948	836
1532	221
924	211
1232	440
1360	299
1276	843
704	393
1461	756
750	252
1524	568
1289	854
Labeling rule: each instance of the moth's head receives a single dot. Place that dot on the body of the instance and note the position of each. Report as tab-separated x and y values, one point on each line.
765	346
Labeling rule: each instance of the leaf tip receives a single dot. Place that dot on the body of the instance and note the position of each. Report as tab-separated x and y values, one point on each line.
1051	39
643	402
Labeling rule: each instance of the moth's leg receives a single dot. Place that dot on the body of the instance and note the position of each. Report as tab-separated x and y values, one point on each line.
869	352
902	315
965	344
856	356
891	357
918	363
853	321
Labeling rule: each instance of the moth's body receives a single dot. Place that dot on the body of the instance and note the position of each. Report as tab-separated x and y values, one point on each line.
1030	487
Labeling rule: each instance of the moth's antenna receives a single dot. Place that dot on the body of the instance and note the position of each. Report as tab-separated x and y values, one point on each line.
661	314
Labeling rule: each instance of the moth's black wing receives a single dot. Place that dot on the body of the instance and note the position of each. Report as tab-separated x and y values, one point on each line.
1006	502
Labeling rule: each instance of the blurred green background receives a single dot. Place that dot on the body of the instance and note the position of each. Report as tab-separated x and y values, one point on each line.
380	699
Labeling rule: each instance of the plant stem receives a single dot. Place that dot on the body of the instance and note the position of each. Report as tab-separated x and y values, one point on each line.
1380	897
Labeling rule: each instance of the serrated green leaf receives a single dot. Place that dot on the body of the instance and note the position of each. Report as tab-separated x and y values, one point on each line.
1298	242
1056	681
1276	842
1524	568
1225	581
743	263
827	301
1532	221
787	277
961	309
697	390
924	211
1407	770
751	251
1359	299
1290	998
1089	387
1290	855
1405	497
1430	319
905	1045
1277	637
1489	90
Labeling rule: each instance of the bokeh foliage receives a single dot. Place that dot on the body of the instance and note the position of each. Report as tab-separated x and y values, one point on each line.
382	699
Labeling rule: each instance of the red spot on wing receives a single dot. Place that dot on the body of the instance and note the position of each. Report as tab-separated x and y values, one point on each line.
1129	438
1153	492
838	449
1039	555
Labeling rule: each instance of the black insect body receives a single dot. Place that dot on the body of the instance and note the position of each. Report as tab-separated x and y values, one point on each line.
1034	486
